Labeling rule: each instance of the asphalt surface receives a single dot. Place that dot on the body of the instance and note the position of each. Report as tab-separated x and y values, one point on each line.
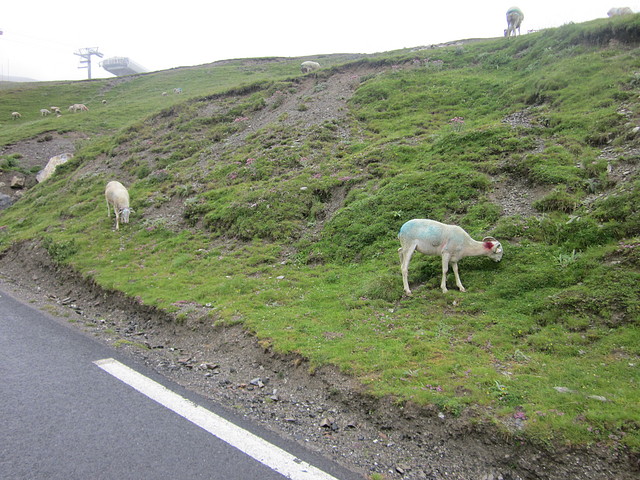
62	417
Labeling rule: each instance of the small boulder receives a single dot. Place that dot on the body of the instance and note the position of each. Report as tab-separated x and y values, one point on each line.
47	171
563	390
17	182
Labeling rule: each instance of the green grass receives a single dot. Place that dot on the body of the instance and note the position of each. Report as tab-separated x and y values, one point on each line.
292	232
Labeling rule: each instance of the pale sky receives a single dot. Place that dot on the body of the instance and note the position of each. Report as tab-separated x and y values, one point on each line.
39	38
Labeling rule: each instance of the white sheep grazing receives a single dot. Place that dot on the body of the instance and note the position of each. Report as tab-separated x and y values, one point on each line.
514	20
617	12
16	115
78	107
449	241
44	112
308	66
55	110
118	196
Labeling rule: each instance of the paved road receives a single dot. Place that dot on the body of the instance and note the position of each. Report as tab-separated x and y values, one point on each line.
62	416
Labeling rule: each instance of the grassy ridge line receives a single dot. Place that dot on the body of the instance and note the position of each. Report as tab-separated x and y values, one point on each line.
561	310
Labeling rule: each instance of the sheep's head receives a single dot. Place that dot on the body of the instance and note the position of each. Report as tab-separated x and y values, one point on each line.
494	247
124	214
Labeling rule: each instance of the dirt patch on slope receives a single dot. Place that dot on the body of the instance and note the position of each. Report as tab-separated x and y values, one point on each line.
323	409
34	155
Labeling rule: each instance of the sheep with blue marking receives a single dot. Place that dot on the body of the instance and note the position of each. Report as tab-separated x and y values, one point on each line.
451	242
514	20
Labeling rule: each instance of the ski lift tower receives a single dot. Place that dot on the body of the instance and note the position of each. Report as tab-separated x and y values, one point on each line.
86	54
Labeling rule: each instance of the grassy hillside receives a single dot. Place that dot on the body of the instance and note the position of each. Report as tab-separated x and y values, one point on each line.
273	200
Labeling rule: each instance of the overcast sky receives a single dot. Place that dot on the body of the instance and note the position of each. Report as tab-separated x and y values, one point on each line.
39	38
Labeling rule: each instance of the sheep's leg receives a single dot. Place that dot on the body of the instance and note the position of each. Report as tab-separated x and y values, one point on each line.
108	210
117	218
405	258
445	269
455	272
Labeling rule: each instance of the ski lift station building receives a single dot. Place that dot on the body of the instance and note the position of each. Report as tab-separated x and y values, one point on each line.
122	66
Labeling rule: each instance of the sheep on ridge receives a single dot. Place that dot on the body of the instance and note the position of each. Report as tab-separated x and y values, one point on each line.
514	20
16	115
44	112
619	11
308	66
451	242
118	196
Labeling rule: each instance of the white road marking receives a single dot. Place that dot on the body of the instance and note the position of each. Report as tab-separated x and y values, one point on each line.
254	446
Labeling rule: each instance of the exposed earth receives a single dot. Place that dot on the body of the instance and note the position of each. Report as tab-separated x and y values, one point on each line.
322	409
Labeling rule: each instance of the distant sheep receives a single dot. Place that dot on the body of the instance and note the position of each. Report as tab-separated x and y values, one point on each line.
514	20
308	66
177	90
118	197
55	109
16	115
78	107
44	112
617	12
451	242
